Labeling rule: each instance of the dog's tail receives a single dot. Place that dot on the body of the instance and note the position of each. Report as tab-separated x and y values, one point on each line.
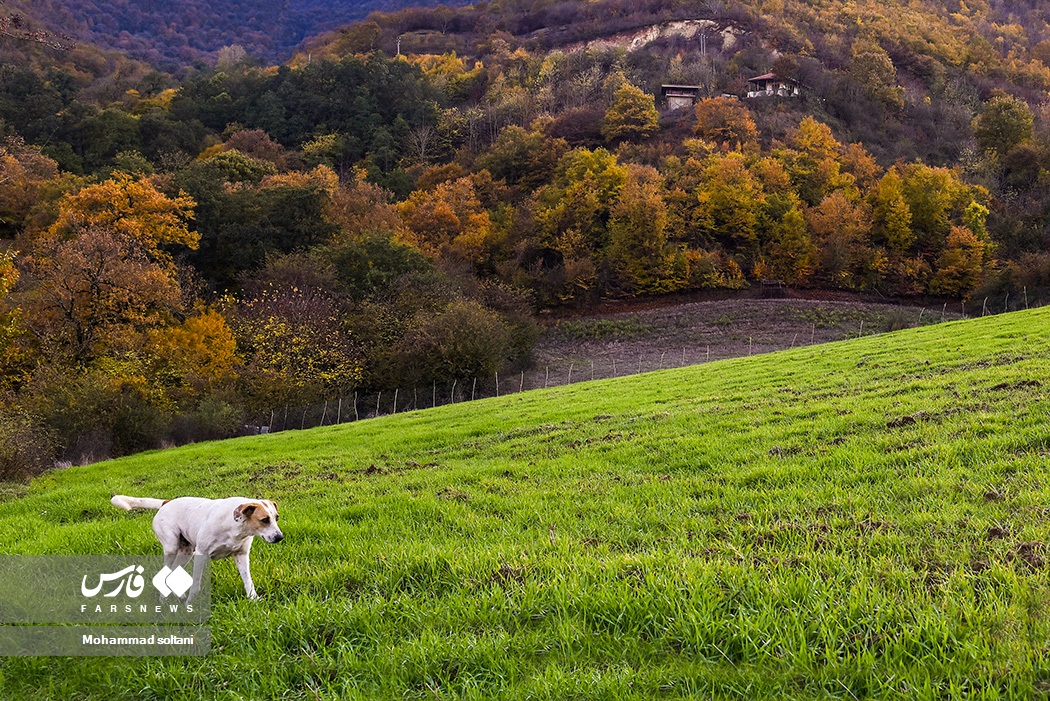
128	503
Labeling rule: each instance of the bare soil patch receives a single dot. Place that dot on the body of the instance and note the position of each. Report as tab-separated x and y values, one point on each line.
626	339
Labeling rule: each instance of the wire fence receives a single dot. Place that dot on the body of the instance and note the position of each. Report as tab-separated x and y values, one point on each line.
557	372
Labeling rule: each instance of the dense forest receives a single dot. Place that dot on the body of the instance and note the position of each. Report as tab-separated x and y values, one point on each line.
393	205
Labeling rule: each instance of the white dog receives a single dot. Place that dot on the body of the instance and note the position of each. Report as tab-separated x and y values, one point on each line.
209	529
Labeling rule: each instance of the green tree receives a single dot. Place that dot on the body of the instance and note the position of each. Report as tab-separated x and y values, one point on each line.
525	158
873	70
1004	123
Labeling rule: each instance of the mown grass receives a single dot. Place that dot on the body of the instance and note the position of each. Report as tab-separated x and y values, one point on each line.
865	519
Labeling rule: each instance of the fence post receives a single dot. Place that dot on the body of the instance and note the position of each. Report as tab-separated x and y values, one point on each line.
521	385
356	416
453	392
339	412
269	428
569	381
497	383
473	387
546	375
302	424
379	398
324	414
1025	288
1006	305
662	356
943	310
396	390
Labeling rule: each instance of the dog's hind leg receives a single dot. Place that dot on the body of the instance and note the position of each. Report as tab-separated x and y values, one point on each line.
200	561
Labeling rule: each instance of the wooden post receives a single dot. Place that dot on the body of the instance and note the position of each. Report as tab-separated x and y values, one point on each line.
379	398
569	382
395	398
324	414
339	412
497	383
473	387
357	417
521	385
546	375
454	391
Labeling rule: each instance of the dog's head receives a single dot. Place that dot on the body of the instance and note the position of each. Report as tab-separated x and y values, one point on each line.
260	518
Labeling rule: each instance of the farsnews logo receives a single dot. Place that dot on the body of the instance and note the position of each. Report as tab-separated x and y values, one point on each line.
130	581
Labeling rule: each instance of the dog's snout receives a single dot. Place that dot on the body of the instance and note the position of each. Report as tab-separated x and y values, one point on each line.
278	537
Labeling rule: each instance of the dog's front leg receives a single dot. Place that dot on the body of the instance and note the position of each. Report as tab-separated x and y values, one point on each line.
244	567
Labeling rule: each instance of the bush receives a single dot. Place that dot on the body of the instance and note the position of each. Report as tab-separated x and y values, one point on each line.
463	341
213	420
26	448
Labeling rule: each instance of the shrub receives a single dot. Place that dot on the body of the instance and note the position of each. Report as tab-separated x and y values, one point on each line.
26	447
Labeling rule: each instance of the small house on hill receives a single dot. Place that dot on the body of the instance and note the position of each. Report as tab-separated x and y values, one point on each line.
678	97
770	85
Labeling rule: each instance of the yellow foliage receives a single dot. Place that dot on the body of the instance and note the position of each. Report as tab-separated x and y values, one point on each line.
202	348
322	176
132	208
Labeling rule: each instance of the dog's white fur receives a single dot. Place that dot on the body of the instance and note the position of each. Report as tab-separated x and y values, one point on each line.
209	529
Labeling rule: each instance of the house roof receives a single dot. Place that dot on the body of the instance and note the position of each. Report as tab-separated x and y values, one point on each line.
770	76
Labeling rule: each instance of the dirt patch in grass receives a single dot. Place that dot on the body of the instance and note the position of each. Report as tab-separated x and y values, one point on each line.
624	339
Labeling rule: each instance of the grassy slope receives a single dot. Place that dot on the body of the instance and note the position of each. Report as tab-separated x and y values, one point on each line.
759	527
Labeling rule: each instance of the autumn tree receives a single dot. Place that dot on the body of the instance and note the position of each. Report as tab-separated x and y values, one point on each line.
449	220
574	209
891	216
102	276
638	231
24	175
730	201
725	120
631	115
791	255
292	337
129	208
198	355
841	230
814	162
936	197
960	264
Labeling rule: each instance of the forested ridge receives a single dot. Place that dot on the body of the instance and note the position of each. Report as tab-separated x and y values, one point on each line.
392	206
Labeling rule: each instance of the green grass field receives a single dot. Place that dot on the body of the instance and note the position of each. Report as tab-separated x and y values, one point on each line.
864	519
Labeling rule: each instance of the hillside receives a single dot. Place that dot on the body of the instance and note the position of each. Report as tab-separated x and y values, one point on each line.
170	35
860	519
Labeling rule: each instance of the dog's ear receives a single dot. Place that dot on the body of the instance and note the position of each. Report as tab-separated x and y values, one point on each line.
244	511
